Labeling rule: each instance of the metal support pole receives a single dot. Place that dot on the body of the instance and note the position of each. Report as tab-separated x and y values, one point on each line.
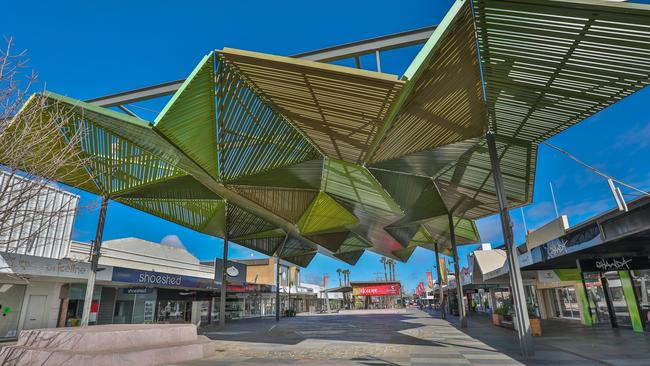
277	279
459	285
378	60
516	281
443	315
224	279
94	261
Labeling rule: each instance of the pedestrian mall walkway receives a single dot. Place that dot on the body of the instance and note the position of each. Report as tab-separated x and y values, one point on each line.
413	337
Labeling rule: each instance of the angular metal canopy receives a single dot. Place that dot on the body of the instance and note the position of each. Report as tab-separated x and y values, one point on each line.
344	160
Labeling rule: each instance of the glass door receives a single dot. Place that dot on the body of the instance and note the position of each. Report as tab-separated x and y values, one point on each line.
597	298
566	303
617	298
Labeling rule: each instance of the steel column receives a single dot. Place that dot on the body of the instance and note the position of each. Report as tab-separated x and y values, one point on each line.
277	279
516	281
94	261
459	285
443	315
224	279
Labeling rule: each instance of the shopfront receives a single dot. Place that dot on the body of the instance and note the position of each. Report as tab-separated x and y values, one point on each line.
376	295
617	289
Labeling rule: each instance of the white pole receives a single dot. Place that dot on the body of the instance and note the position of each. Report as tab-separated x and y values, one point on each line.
554	203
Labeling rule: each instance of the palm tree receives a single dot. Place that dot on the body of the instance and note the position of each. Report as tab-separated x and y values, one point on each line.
338	270
383	260
391	266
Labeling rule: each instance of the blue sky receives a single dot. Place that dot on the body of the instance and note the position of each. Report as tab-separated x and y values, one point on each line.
86	49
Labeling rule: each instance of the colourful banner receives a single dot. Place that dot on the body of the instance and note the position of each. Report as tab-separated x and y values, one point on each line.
382	289
325	280
443	270
430	280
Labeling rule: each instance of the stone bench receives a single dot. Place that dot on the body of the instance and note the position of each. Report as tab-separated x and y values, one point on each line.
104	345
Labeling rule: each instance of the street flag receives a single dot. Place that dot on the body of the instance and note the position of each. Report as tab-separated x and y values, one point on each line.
443	271
430	280
325	279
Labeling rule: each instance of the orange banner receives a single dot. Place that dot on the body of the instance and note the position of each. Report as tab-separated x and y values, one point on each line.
443	270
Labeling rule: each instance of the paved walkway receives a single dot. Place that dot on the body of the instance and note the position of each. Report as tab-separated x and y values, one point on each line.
414	337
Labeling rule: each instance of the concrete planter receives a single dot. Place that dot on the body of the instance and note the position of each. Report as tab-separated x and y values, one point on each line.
535	327
496	319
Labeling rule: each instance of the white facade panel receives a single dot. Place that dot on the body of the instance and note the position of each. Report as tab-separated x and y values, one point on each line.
35	219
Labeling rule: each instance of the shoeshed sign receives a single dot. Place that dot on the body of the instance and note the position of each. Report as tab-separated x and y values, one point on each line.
614	264
158	279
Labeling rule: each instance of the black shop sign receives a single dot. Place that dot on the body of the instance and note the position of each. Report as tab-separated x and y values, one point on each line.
614	264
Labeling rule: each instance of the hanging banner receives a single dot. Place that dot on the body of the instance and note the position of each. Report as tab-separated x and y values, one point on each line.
381	289
430	280
443	270
325	280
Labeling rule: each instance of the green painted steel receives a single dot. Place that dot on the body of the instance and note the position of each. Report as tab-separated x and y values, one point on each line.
253	129
325	215
188	119
288	203
630	299
550	64
254	137
442	100
587	318
355	183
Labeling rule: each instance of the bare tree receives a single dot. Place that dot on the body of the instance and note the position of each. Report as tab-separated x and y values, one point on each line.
40	144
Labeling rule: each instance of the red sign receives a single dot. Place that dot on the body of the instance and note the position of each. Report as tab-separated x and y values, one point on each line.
430	280
382	289
325	280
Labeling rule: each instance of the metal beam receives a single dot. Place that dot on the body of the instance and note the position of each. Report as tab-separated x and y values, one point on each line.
367	46
344	51
137	95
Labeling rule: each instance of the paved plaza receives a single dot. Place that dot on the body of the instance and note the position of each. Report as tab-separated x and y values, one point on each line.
413	337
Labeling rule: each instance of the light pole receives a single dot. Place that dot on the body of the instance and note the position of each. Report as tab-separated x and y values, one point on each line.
94	262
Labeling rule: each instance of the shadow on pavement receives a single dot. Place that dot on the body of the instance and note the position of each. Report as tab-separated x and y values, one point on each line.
371	328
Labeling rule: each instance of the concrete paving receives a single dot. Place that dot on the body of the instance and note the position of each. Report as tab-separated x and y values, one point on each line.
413	337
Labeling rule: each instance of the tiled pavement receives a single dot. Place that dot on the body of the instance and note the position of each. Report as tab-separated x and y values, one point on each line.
414	338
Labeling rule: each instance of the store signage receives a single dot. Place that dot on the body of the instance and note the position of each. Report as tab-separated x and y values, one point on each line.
614	264
152	278
232	271
383	289
137	290
583	238
236	272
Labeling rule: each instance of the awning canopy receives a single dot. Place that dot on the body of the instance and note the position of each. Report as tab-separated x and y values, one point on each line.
345	160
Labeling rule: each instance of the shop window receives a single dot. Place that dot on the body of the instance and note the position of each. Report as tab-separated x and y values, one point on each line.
11	300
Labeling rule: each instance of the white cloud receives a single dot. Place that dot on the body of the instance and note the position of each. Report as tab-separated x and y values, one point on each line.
172	241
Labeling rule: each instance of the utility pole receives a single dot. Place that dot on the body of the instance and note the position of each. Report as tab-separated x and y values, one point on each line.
459	285
224	279
95	252
442	308
516	281
277	279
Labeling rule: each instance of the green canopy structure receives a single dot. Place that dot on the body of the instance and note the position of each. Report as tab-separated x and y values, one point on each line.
343	160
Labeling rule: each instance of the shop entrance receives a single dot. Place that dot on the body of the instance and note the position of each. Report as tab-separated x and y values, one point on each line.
607	301
565	303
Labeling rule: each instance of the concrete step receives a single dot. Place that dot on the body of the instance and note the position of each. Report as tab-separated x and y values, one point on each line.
106	337
160	354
